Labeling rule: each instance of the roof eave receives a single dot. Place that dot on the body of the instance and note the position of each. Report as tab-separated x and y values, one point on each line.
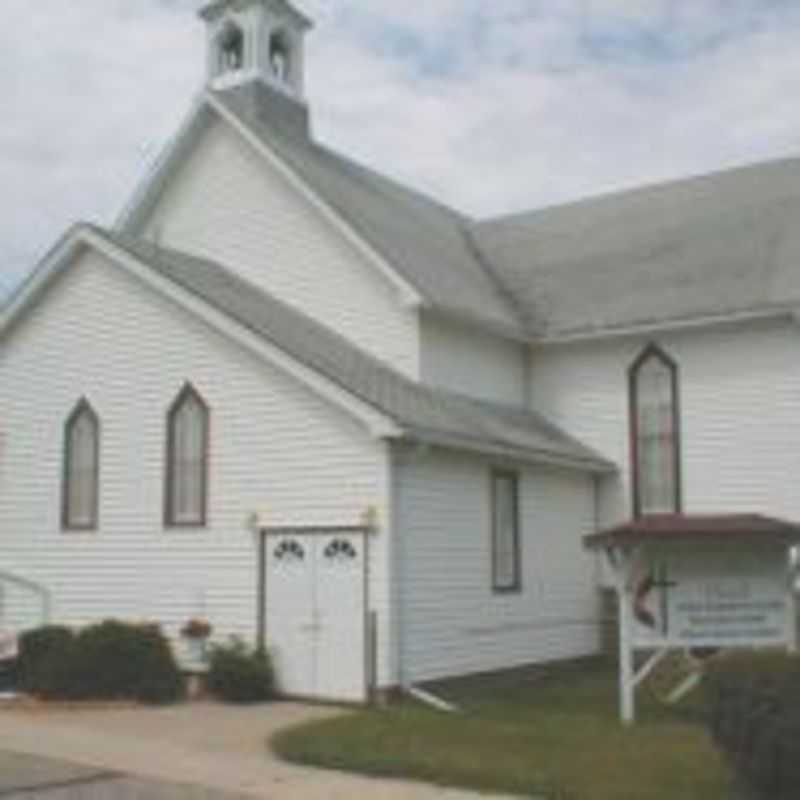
37	281
787	311
535	456
477	322
82	235
151	185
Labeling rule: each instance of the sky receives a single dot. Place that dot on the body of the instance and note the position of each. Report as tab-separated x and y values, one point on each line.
493	107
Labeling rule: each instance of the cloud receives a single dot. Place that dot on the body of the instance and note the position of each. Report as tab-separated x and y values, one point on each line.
494	107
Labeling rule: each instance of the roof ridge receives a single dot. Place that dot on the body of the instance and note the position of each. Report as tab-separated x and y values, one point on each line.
653	187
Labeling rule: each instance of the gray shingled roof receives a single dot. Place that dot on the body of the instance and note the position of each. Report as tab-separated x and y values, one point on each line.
713	245
426	242
694	248
424	413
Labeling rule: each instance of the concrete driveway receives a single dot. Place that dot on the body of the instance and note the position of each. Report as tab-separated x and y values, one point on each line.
34	778
21	774
203	744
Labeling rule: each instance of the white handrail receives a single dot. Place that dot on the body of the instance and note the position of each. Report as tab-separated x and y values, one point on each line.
37	589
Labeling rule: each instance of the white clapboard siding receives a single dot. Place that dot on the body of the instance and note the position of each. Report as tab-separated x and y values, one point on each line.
740	406
471	361
228	203
451	621
275	448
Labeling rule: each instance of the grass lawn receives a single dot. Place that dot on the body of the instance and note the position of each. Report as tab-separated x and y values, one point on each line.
554	736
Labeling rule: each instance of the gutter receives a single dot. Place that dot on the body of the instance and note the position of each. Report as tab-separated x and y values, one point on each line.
597	466
779	312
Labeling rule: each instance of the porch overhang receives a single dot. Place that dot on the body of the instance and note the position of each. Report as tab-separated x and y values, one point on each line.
696	528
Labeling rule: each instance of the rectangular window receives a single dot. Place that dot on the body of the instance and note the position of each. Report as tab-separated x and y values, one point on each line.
506	573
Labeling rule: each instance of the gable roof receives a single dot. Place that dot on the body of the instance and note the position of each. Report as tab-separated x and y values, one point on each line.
420	413
424	243
424	240
691	251
424	413
712	246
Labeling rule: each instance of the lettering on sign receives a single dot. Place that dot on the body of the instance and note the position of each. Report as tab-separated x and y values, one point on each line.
712	599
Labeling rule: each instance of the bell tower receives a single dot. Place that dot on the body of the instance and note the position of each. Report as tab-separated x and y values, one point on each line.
256	40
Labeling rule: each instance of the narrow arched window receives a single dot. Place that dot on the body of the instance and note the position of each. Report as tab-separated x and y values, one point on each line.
186	487
655	433
81	469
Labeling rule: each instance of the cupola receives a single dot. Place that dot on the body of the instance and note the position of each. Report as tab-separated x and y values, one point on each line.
256	40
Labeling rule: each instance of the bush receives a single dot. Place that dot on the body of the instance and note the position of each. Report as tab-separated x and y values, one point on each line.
114	660
238	675
41	654
768	668
755	719
109	661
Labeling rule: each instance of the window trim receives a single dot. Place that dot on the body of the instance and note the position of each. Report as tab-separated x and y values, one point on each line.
170	521
516	586
653	350
83	406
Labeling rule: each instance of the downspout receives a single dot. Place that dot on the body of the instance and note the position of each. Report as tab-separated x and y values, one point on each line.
430	699
261	594
397	556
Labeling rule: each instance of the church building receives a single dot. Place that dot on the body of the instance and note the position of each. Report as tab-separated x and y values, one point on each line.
336	418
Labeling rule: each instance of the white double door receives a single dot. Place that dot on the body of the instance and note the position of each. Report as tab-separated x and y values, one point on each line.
316	615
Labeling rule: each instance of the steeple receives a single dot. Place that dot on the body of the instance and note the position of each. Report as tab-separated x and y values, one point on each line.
256	40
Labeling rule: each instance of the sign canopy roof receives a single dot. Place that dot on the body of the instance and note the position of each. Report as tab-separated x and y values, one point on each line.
697	528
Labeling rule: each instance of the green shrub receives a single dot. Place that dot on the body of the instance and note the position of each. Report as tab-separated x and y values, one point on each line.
116	660
774	668
755	718
109	661
238	675
42	653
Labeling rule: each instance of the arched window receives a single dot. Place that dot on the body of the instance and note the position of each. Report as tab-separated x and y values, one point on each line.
81	469
655	433
230	48
186	487
280	56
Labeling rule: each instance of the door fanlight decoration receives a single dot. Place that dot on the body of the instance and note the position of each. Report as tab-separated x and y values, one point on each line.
290	551
340	550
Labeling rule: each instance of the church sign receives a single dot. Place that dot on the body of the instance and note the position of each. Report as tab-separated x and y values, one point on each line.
711	597
698	584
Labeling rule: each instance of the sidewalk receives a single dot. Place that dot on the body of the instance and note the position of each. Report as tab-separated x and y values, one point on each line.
204	744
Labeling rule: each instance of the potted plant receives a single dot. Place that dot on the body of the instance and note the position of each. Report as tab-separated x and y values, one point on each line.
196	633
